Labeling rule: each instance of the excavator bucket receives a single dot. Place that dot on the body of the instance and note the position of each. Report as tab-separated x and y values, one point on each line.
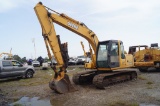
62	86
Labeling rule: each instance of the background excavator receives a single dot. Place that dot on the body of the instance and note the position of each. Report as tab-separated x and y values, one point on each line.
146	57
10	57
87	55
107	56
4	53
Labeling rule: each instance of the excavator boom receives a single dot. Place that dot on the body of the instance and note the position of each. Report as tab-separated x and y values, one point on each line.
47	18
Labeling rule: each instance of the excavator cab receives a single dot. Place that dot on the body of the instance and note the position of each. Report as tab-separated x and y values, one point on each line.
108	54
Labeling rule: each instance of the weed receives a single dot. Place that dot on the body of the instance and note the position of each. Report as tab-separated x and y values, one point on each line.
142	77
149	87
149	83
123	103
17	104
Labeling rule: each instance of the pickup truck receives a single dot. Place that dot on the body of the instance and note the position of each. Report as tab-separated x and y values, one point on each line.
35	63
13	68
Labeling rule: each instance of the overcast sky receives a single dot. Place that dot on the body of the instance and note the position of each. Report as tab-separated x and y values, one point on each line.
135	22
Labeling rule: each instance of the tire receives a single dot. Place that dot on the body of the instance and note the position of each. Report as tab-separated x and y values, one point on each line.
29	74
19	77
158	69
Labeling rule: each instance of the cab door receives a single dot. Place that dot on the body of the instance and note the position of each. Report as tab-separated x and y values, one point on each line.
102	55
7	69
18	68
114	54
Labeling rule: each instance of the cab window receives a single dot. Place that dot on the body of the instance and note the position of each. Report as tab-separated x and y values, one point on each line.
114	49
6	64
15	63
122	51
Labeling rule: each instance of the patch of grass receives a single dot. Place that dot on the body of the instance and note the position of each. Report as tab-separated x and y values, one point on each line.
41	77
15	99
123	103
149	87
76	68
17	104
73	70
142	77
158	100
149	83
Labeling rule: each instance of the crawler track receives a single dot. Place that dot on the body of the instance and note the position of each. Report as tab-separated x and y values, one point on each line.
84	77
102	80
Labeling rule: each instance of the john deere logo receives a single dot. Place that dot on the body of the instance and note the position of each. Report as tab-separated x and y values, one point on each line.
72	25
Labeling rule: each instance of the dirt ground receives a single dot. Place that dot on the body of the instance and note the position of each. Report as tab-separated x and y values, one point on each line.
145	91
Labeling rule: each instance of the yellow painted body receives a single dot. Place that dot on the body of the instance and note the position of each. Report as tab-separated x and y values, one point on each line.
153	55
153	52
83	49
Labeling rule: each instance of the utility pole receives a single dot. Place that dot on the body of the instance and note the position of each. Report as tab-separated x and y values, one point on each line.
33	41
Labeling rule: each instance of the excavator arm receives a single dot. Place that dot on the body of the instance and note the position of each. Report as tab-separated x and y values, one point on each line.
47	19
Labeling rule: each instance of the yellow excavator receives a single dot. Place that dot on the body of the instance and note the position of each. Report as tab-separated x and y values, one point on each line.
146	57
4	53
109	63
87	55
9	54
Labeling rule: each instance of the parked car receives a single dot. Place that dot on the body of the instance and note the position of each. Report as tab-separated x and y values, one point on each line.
80	60
13	68
45	65
49	63
53	61
72	61
35	63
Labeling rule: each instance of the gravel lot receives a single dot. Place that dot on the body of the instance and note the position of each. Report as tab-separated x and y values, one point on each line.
145	91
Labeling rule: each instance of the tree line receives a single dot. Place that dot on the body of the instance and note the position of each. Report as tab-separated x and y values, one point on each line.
25	60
